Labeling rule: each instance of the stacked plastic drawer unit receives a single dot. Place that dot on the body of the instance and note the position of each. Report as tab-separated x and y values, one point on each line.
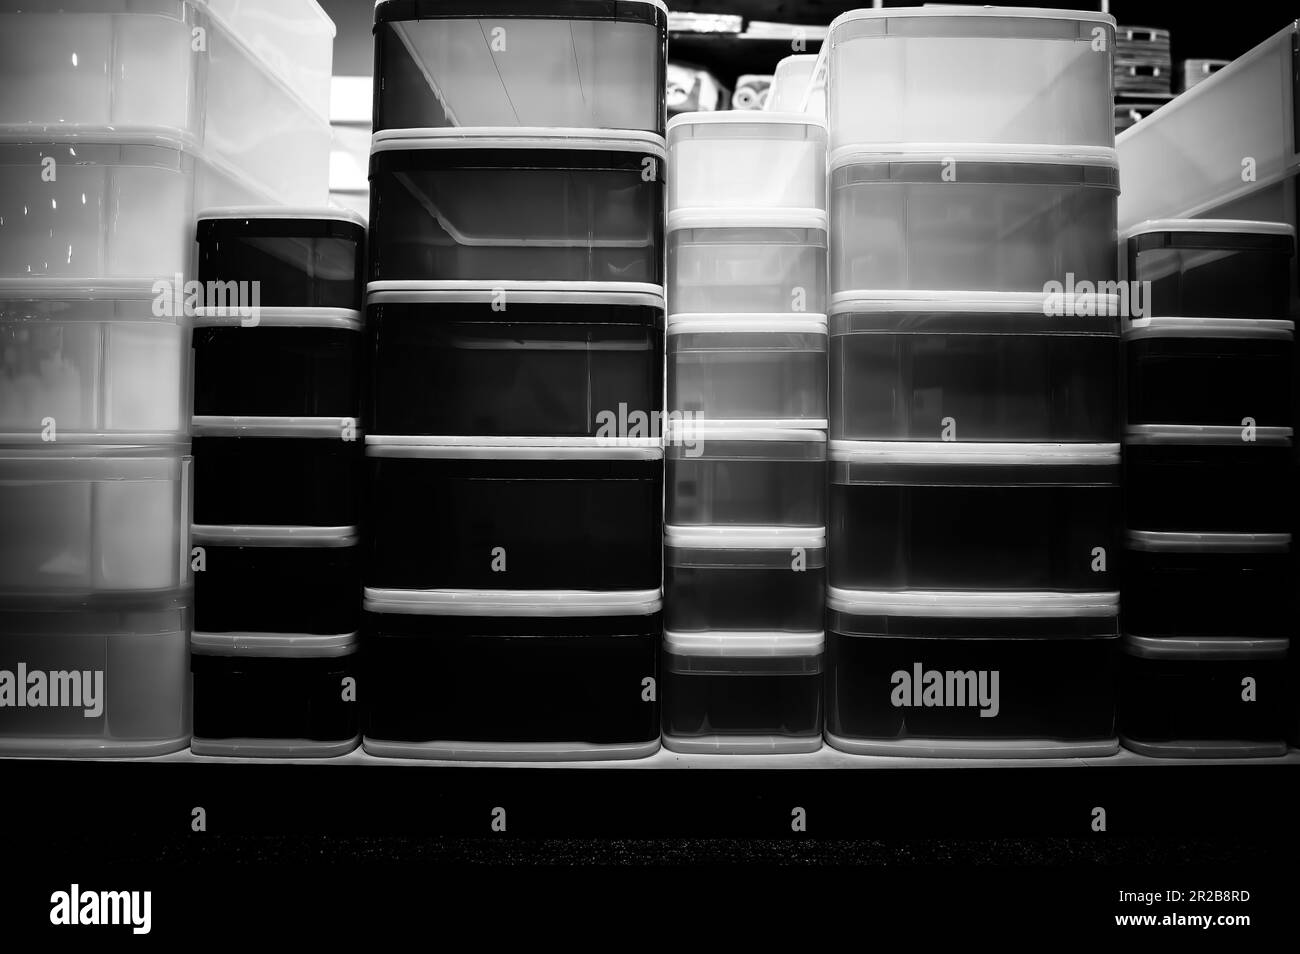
1208	590
117	121
515	307
974	430
277	454
745	441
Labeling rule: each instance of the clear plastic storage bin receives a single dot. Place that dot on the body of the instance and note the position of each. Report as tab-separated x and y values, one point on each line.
946	218
747	159
1204	698
135	68
471	514
296	580
293	362
90	363
743	694
550	206
754	370
758	261
969	516
1209	371
276	472
790	82
969	368
84	519
1185	478
543	360
756	581
95	678
117	205
1208	585
512	675
959	675
521	63
262	695
971	74
1213	268
745	477
300	258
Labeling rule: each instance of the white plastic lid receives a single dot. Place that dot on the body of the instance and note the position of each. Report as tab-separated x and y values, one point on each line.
744	644
705	430
971	452
744	538
514	448
79	134
525	138
280	645
547	603
598	293
964	301
749	117
746	218
1175	648
275	536
240	426
1235	226
1270	329
953	10
1158	541
783	323
59	289
344	318
979	604
1103	156
1216	434
308	212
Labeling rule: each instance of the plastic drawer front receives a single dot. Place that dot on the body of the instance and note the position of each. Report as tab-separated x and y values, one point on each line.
536	364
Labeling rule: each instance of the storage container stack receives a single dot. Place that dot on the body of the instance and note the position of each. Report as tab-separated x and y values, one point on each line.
1209	591
974	454
116	124
277	452
746	441
515	310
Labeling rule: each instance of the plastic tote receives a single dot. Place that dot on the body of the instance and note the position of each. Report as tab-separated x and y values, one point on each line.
512	675
964	367
946	217
549	359
275	696
550	206
521	63
90	364
960	675
971	74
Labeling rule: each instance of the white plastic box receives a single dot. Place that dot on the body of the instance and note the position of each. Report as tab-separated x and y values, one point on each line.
790	83
171	65
747	159
972	75
117	206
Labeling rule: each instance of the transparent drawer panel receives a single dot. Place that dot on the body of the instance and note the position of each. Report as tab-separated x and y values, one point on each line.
264	695
1204	698
1208	585
1246	363
90	364
1213	268
743	261
1208	479
541	362
473	515
971	370
1007	222
751	369
83	520
97	679
765	581
585	66
979	75
742	694
534	208
116	207
748	160
303	580
136	69
790	83
972	680
745	477
954	516
299	258
512	675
